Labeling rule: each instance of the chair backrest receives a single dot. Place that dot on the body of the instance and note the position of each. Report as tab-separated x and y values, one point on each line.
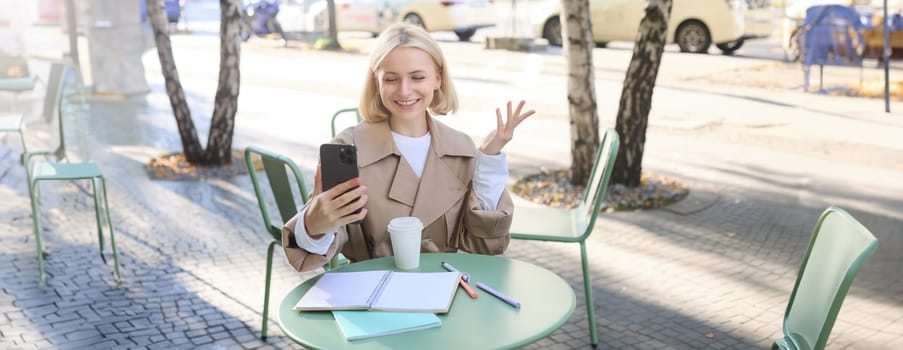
53	104
357	114
277	168
594	193
839	245
15	66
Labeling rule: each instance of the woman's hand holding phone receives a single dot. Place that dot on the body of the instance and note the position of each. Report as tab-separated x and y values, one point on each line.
335	207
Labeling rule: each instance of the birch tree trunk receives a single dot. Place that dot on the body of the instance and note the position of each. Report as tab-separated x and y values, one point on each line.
578	44
191	145
222	126
72	27
333	31
636	96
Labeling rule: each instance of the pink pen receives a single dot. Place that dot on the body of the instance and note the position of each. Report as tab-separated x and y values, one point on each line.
463	281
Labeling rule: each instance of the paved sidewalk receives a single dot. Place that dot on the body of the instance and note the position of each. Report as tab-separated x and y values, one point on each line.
711	272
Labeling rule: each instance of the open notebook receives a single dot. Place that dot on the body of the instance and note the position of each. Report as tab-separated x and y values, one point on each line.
382	291
358	324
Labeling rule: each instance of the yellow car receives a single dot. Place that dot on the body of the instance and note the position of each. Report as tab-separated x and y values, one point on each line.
694	24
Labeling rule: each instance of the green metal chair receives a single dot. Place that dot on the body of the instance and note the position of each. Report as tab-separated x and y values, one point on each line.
274	165
14	74
53	108
838	247
543	223
14	122
341	112
340	259
54	170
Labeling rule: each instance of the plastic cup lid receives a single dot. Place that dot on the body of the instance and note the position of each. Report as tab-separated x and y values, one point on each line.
405	223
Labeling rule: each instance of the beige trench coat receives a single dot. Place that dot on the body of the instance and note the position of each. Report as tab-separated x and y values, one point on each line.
442	199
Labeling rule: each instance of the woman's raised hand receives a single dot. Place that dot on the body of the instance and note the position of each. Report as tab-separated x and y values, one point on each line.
504	131
334	208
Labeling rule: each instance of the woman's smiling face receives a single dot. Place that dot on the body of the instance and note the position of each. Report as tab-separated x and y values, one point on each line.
407	79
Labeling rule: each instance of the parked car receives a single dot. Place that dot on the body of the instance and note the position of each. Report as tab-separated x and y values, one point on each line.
302	16
463	17
760	21
694	24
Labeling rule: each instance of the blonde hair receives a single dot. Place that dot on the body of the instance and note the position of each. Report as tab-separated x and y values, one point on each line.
445	99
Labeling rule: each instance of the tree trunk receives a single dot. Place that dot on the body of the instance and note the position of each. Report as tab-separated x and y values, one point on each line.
219	141
333	30
72	27
636	96
578	44
191	145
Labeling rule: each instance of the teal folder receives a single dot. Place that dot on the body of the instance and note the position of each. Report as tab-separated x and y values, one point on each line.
367	324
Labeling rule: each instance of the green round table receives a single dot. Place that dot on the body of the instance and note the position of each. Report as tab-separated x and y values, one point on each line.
486	322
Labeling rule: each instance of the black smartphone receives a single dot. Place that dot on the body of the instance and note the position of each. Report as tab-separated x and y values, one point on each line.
338	163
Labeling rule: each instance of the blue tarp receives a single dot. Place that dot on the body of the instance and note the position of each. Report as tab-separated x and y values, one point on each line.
832	35
172	7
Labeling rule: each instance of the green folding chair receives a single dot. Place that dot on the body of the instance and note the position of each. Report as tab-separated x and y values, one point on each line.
54	170
14	74
277	168
52	108
343	113
16	84
340	259
13	122
838	247
542	223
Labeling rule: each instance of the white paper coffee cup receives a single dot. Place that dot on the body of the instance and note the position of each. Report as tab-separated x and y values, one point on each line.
405	233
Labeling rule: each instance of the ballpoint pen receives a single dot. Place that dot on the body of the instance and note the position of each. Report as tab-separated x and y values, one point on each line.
463	281
451	268
499	295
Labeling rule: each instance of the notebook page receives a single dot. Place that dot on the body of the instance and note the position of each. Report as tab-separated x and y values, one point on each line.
341	291
418	292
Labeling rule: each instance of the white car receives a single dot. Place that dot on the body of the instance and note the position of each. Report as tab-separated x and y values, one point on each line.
762	18
694	24
463	17
296	17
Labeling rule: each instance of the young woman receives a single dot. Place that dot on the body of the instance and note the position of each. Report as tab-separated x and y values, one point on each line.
410	164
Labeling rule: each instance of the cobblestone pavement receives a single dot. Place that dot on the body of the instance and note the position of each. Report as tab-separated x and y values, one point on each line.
711	272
